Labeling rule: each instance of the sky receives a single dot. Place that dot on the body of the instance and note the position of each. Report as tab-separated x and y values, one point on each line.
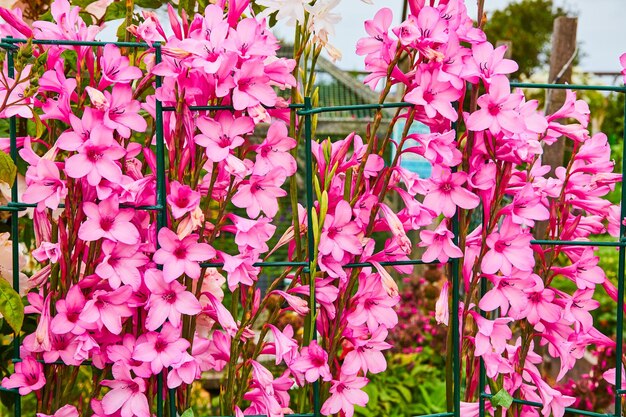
601	29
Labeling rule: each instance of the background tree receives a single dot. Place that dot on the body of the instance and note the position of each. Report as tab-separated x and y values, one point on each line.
528	24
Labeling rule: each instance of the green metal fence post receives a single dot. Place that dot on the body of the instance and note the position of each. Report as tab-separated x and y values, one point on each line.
14	224
162	211
620	285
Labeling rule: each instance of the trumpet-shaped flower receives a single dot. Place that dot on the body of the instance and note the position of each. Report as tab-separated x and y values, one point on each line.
108	308
367	354
260	193
127	394
223	134
45	186
345	393
313	363
95	160
181	256
439	244
28	376
340	234
182	199
168	301
508	247
497	109
161	349
445	192
106	220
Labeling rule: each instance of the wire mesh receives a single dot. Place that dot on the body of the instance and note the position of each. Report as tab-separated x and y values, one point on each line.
307	110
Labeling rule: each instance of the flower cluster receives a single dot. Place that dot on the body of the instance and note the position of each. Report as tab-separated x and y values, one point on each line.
144	274
495	167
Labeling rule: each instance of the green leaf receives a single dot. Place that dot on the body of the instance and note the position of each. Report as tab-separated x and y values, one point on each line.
188	413
11	306
149	4
8	169
116	10
502	399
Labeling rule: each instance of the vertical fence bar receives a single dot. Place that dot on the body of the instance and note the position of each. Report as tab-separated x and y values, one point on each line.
619	337
308	137
14	225
456	288
161	212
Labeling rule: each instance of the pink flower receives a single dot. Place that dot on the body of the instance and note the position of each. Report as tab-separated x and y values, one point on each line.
106	220
434	96
274	151
492	334
439	244
541	306
622	61
373	306
121	354
116	68
121	264
252	86
182	199
47	251
252	234
442	308
161	349
28	376
45	186
260	193
168	301
313	363
68	310
241	269
508	291
486	62
180	257
509	247
345	394
445	192
121	111
298	304
222	135
184	371
577	310
396	227
527	206
108	308
285	347
96	160
367	355
126	394
340	234
65	411
497	109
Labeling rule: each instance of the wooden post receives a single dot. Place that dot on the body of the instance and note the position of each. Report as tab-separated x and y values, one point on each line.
561	62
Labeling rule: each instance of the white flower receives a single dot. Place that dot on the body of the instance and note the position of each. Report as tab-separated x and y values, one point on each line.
290	10
322	19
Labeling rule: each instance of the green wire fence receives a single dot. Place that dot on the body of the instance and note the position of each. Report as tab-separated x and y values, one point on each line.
307	110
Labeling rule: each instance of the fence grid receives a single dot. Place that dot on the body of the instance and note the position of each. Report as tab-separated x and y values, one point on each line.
307	110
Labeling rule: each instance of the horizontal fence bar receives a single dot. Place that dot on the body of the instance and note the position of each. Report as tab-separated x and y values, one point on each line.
329	109
258	264
450	414
11	390
10	206
65	42
567	409
617	89
306	264
286	415
575	243
227	107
